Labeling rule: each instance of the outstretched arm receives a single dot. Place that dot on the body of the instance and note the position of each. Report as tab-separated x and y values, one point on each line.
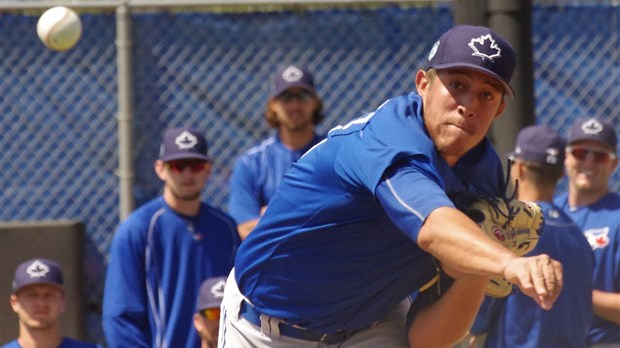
606	305
460	244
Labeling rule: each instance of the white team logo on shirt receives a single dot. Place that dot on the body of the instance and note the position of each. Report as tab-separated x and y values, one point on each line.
37	269
186	140
292	74
485	49
592	126
597	237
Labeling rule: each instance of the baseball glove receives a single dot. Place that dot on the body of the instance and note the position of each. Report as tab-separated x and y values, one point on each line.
514	224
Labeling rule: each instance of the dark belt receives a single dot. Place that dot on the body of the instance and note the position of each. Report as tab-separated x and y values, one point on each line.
253	316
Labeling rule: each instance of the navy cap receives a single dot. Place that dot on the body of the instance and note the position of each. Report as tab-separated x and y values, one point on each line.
182	143
476	48
540	144
593	129
211	293
292	76
37	271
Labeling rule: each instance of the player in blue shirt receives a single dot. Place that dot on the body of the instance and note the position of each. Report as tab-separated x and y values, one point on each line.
356	224
39	299
293	109
516	321
590	161
164	250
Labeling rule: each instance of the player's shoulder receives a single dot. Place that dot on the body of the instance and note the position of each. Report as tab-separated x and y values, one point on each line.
263	146
12	344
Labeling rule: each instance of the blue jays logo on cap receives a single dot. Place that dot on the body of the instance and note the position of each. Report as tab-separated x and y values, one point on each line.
183	143
292	76
186	140
485	47
593	129
37	271
592	126
477	48
292	73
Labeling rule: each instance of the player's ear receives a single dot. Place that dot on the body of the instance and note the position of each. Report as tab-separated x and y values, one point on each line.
501	108
422	82
159	167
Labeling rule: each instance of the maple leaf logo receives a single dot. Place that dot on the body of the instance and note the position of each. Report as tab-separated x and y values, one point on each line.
37	269
485	47
186	140
597	237
592	126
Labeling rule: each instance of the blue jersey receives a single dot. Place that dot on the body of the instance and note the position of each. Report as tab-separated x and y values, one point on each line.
336	248
257	173
66	343
158	259
517	321
600	223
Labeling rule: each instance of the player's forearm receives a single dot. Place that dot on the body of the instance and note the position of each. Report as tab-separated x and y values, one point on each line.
606	305
459	243
445	322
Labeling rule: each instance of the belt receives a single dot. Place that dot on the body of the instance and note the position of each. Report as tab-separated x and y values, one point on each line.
252	315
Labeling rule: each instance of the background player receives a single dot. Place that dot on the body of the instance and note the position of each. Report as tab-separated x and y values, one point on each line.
516	321
354	225
39	300
207	316
591	159
164	250
293	109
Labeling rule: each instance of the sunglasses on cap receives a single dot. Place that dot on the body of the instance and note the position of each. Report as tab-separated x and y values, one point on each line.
288	96
598	156
178	166
211	313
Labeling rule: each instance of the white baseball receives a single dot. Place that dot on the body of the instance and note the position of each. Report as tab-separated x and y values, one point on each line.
59	28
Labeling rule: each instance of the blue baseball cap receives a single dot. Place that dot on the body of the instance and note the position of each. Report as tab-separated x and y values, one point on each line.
290	76
477	48
183	143
593	129
540	144
211	293
37	271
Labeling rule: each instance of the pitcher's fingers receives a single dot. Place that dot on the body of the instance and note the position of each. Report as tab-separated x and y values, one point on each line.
539	271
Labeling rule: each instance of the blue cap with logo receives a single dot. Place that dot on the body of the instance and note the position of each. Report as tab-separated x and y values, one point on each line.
593	129
211	293
37	271
477	48
540	144
292	76
183	143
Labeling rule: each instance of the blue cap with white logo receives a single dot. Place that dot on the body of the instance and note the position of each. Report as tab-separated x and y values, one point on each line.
477	48
37	271
540	144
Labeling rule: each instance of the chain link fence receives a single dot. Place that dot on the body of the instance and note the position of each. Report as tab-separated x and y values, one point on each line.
211	70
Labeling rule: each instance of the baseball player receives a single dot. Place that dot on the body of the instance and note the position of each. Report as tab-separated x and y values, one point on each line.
364	217
39	299
207	316
164	250
293	109
591	159
516	321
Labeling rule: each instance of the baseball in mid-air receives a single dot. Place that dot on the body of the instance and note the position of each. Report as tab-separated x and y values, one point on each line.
59	28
